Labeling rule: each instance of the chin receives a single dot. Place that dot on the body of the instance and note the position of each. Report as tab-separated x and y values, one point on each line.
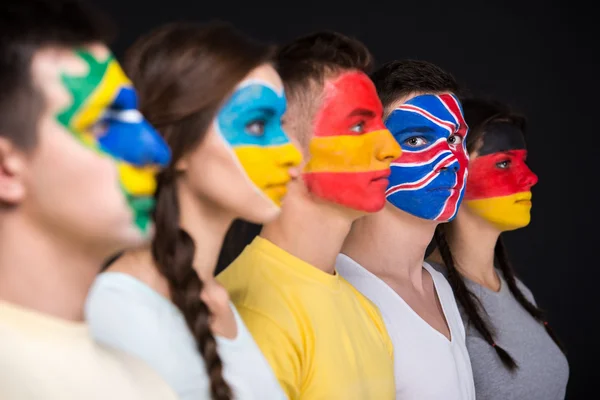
513	224
262	215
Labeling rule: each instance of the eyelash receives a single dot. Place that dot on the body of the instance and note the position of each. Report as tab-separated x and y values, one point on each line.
258	122
499	164
416	138
360	125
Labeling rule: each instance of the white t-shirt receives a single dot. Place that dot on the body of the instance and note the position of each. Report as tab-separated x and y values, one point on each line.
427	366
129	315
42	357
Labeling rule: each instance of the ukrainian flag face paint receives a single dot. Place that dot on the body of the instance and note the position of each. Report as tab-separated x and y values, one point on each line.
250	124
104	117
499	183
351	149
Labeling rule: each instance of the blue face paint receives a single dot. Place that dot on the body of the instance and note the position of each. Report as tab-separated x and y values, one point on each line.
252	116
129	137
250	124
428	180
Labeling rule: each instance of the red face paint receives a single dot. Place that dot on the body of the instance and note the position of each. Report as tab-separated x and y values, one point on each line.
351	149
499	174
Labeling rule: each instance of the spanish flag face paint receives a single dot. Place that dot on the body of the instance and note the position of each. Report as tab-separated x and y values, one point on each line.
499	183
250	124
351	150
104	117
428	181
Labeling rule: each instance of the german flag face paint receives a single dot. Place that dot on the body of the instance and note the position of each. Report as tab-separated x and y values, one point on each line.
104	117
351	150
499	183
250	124
428	181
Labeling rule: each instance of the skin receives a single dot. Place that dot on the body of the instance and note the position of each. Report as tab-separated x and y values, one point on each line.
498	199
51	242
317	201
391	244
210	202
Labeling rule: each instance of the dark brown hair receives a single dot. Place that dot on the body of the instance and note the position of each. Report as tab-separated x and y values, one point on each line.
27	26
305	61
183	73
399	78
478	114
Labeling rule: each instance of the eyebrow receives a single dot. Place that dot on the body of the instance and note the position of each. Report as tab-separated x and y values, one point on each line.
362	112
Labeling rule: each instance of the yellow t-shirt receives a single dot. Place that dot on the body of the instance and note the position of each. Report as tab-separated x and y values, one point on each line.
323	339
42	357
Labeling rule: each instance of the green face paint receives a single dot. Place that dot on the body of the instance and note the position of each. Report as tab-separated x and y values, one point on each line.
105	95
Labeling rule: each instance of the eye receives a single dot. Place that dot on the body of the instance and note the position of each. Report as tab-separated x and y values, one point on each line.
415	141
358	128
256	128
503	164
99	128
455	140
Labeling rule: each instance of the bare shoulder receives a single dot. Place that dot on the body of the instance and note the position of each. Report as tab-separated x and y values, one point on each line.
139	264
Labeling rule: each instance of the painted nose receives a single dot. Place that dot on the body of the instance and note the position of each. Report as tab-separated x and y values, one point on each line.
451	168
289	156
528	179
136	143
389	149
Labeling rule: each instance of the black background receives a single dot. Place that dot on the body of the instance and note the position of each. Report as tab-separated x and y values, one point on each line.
537	56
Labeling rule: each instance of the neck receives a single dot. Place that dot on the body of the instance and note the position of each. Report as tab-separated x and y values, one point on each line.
472	241
207	224
391	244
45	271
311	230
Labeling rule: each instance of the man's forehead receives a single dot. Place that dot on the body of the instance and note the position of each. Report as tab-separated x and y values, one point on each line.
407	97
52	61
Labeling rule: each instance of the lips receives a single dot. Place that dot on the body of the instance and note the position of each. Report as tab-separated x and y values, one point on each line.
382	175
523	198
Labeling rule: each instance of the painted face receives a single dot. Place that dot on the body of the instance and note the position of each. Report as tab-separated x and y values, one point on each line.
250	123
428	181
499	184
104	117
351	149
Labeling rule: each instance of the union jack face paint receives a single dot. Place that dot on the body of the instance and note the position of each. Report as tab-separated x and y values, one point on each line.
428	181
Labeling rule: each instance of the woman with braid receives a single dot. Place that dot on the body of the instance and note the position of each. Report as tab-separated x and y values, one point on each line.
513	351
218	102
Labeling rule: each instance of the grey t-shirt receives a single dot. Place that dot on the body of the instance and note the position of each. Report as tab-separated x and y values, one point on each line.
543	370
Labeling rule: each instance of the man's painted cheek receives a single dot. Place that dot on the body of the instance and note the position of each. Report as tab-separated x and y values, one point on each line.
250	123
344	170
104	117
428	180
351	149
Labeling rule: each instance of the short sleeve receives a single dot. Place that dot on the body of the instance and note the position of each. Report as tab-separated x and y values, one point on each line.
125	314
279	348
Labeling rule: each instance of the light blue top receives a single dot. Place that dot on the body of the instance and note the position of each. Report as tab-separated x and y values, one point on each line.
125	313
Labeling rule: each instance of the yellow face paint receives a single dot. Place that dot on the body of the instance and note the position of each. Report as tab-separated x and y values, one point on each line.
259	162
507	213
250	123
104	97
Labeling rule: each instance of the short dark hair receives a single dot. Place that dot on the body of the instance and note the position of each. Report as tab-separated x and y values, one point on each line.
313	57
399	78
27	26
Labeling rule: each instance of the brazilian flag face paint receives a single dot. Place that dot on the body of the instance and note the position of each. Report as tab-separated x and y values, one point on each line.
104	117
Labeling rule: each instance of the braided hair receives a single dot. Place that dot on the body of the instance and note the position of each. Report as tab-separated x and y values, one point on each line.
479	113
183	73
